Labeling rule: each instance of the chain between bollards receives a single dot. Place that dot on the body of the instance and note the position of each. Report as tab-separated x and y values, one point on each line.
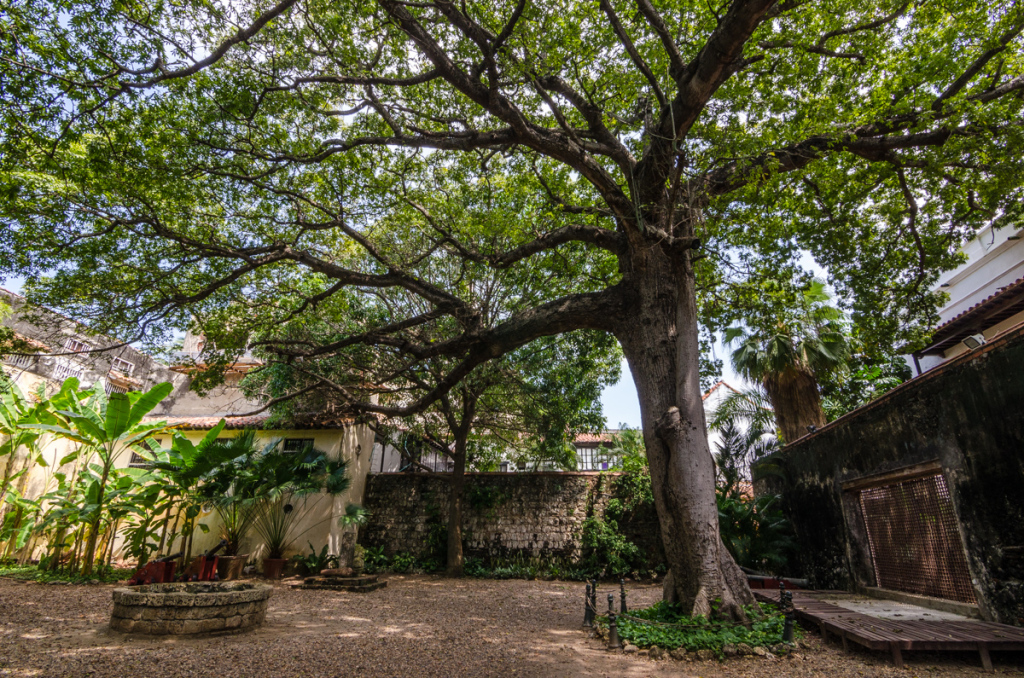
622	596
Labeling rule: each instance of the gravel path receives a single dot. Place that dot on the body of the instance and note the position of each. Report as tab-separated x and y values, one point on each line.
418	626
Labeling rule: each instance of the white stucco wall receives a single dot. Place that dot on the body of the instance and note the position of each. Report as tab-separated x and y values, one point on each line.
994	261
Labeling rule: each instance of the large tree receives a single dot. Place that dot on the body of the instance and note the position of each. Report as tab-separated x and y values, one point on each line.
162	159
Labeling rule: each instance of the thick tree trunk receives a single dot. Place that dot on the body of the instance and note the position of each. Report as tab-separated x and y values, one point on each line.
659	337
796	401
456	497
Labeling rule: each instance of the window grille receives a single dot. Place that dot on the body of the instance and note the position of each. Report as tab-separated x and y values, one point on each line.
594	459
123	366
296	445
24	361
64	371
914	539
137	461
73	345
111	387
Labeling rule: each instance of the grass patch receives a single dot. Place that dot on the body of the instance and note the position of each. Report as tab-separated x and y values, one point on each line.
33	573
667	627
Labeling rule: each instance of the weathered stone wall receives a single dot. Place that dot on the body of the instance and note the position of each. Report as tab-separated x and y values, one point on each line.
189	608
533	514
966	415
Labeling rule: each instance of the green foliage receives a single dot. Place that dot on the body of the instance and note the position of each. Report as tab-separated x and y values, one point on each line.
750	406
315	562
633	487
810	335
606	550
374	559
754	530
97	497
402	562
106	575
669	628
867	379
261	488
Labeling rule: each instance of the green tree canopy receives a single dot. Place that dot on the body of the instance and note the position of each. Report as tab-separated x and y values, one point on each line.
168	161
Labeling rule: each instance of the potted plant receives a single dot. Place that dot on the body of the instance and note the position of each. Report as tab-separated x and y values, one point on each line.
236	518
272	523
258	488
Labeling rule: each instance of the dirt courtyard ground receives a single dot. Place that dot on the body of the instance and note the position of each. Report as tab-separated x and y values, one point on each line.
418	626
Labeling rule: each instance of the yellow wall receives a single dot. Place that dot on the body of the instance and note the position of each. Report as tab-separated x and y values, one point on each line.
318	516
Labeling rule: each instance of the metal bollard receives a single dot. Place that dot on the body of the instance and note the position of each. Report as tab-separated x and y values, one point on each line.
782	593
787	630
588	614
613	629
622	596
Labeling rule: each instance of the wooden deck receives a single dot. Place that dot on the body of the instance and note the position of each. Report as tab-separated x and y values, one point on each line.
896	635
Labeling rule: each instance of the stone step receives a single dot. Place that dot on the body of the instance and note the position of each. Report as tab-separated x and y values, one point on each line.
343	581
328	584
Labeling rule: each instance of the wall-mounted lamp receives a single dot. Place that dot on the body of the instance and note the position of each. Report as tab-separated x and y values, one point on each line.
974	341
944	285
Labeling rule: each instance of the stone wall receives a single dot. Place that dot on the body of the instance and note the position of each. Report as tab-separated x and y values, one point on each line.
533	514
965	418
189	608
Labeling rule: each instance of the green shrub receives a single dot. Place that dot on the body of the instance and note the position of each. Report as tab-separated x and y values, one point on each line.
402	562
374	559
667	627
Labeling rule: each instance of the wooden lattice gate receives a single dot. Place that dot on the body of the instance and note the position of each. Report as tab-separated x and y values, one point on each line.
914	539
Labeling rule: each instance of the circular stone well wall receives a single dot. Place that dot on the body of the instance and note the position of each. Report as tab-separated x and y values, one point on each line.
189	608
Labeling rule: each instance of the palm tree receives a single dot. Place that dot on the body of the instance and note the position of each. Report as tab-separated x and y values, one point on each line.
749	406
790	355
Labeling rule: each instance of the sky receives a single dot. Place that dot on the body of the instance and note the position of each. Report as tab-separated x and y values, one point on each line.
620	403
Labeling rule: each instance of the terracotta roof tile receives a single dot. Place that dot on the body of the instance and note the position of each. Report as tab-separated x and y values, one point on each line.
257	421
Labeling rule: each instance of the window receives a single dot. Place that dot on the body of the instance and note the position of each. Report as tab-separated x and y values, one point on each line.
73	345
137	461
64	371
294	445
20	360
123	366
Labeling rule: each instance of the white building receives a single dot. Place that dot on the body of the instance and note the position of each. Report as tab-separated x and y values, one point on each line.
986	296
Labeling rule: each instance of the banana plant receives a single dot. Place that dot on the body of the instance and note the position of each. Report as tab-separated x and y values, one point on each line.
105	428
184	466
17	411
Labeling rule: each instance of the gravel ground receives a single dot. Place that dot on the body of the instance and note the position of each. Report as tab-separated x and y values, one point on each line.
418	626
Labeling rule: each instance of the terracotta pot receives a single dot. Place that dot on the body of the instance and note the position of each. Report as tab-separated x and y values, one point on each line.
273	567
230	567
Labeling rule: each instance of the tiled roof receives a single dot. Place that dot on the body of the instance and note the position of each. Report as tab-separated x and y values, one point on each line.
718	384
257	421
603	437
1007	301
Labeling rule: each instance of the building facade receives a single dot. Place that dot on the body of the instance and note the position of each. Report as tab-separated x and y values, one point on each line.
68	349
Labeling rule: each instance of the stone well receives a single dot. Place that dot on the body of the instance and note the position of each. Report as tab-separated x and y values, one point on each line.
188	608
